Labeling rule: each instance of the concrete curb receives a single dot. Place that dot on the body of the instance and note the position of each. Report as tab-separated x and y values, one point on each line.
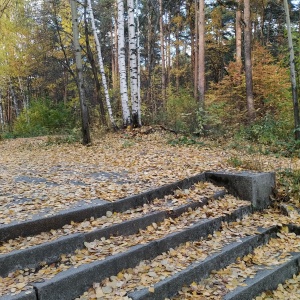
73	282
170	286
38	225
50	252
254	187
266	280
29	295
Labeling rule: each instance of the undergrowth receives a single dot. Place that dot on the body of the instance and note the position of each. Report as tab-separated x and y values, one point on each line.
184	140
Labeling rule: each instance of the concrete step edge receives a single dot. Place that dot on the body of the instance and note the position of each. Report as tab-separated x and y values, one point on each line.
73	282
197	271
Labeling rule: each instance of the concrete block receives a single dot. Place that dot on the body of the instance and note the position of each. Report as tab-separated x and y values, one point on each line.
48	252
251	186
28	295
75	281
78	214
266	280
197	271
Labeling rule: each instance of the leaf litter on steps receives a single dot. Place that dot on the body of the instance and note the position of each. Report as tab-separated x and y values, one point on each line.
197	192
100	249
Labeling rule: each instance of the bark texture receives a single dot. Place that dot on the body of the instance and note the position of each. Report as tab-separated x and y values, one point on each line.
248	61
293	72
86	138
122	65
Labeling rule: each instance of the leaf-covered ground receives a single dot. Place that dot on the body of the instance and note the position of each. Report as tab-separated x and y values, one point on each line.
38	177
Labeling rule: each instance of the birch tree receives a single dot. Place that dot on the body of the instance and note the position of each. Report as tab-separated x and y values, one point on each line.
86	138
133	64
293	72
248	61
101	65
122	65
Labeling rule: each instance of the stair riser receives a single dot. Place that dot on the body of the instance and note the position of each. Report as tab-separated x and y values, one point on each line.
72	283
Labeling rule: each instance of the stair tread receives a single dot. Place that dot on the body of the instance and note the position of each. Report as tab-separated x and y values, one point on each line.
117	244
197	193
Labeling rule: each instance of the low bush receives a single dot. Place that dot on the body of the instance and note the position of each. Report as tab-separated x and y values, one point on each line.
43	118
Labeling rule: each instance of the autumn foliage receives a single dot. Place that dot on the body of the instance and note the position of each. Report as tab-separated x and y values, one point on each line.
226	99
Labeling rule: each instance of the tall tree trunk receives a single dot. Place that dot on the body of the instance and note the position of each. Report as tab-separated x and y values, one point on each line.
238	33
86	138
101	66
177	53
114	60
14	98
1	113
92	62
248	61
162	54
58	27
201	66
133	64
293	72
196	49
138	62
22	91
149	56
122	65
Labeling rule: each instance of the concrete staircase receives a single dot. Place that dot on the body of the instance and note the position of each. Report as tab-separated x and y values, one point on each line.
155	245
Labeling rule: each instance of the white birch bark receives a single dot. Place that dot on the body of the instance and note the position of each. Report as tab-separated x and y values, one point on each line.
101	66
133	63
122	65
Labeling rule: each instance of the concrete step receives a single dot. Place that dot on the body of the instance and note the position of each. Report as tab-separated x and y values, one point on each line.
107	251
98	208
139	218
121	250
249	276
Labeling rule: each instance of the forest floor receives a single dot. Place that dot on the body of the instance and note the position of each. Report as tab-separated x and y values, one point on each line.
58	175
55	175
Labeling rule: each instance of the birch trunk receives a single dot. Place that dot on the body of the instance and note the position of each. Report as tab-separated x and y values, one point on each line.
95	71
86	138
293	72
115	67
201	66
101	66
248	61
122	65
133	63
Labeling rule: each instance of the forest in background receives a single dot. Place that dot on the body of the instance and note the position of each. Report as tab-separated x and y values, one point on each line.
191	78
